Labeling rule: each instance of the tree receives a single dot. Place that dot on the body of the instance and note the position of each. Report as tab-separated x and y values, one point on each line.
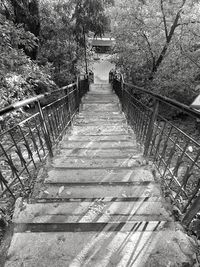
156	41
26	13
89	16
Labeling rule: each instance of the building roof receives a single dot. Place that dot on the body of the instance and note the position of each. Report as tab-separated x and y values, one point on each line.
102	42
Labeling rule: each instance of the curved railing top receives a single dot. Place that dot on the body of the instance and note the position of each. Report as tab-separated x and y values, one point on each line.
28	141
187	109
31	100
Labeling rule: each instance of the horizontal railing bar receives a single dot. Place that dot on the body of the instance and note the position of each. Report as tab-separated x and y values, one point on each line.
180	131
167	100
28	101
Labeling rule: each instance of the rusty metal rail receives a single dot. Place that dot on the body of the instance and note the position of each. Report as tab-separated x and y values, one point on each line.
27	144
175	154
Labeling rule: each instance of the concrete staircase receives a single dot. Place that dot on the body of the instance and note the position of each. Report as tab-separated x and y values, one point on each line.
99	205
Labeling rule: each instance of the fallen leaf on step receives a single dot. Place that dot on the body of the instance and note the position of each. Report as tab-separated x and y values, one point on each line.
61	190
46	192
68	193
190	149
124	195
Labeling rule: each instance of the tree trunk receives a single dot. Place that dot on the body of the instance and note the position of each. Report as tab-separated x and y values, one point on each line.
165	47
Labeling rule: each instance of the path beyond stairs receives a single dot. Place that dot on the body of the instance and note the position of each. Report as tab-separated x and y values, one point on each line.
99	205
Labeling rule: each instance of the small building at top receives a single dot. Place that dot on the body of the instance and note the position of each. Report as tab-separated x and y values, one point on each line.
102	45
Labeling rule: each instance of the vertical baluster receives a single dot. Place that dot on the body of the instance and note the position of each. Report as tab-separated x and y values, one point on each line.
44	130
151	127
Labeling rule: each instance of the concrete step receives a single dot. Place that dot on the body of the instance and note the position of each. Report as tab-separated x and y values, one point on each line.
93	118
140	247
98	175
103	130
93	163
93	98
99	144
101	153
100	107
97	138
99	92
99	190
111	115
95	122
103	100
98	211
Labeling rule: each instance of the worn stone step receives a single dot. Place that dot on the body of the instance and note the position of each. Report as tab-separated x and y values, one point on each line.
94	122
99	144
101	153
103	99
98	175
100	107
100	92
103	248
96	211
127	162
93	191
100	96
100	85
97	100
94	119
97	138
113	115
115	226
106	130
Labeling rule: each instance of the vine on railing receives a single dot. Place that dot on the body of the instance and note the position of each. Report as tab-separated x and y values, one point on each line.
175	154
28	143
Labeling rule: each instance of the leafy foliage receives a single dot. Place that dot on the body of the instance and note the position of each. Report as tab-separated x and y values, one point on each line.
90	15
158	45
39	48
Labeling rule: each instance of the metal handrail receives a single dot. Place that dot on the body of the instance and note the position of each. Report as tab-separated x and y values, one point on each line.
26	144
31	100
174	153
187	109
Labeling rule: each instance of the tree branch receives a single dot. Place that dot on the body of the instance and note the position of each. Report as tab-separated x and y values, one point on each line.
169	38
164	18
149	46
187	23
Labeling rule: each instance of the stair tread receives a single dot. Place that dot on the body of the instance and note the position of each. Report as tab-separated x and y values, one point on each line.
99	175
114	248
101	191
96	211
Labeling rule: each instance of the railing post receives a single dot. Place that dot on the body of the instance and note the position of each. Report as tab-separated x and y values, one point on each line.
69	107
88	83
45	130
110	77
151	126
122	92
79	91
77	96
